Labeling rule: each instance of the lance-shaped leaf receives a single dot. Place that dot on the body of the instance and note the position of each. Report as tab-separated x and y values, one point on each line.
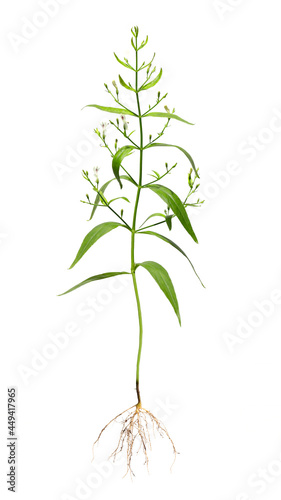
157	214
152	83
126	64
117	160
161	144
168	220
125	85
174	202
97	199
92	237
119	198
166	115
167	240
164	281
94	278
119	111
103	188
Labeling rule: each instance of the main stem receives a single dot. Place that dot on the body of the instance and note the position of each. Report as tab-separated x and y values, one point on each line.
133	264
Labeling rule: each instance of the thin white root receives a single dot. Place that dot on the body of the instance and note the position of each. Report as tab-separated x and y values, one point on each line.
135	428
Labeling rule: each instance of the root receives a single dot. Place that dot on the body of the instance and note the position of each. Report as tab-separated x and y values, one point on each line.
136	430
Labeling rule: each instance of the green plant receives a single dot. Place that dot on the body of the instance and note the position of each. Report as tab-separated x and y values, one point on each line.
137	420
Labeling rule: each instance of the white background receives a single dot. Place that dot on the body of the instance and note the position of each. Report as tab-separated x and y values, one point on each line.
221	63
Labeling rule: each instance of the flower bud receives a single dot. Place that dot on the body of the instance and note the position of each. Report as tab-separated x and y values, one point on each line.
125	123
96	170
167	109
104	127
150	138
190	182
116	88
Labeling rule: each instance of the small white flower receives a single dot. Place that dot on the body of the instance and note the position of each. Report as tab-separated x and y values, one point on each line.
125	123
96	170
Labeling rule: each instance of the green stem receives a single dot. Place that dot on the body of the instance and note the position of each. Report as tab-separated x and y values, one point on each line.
127	137
133	264
108	206
112	154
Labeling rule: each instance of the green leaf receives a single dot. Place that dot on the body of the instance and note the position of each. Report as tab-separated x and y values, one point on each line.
93	278
103	188
152	83
119	198
127	65
167	240
127	178
156	174
166	115
168	219
153	215
174	202
163	279
117	160
161	144
92	237
119	111
125	85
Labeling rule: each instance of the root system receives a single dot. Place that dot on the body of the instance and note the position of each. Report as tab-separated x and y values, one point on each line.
135	436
